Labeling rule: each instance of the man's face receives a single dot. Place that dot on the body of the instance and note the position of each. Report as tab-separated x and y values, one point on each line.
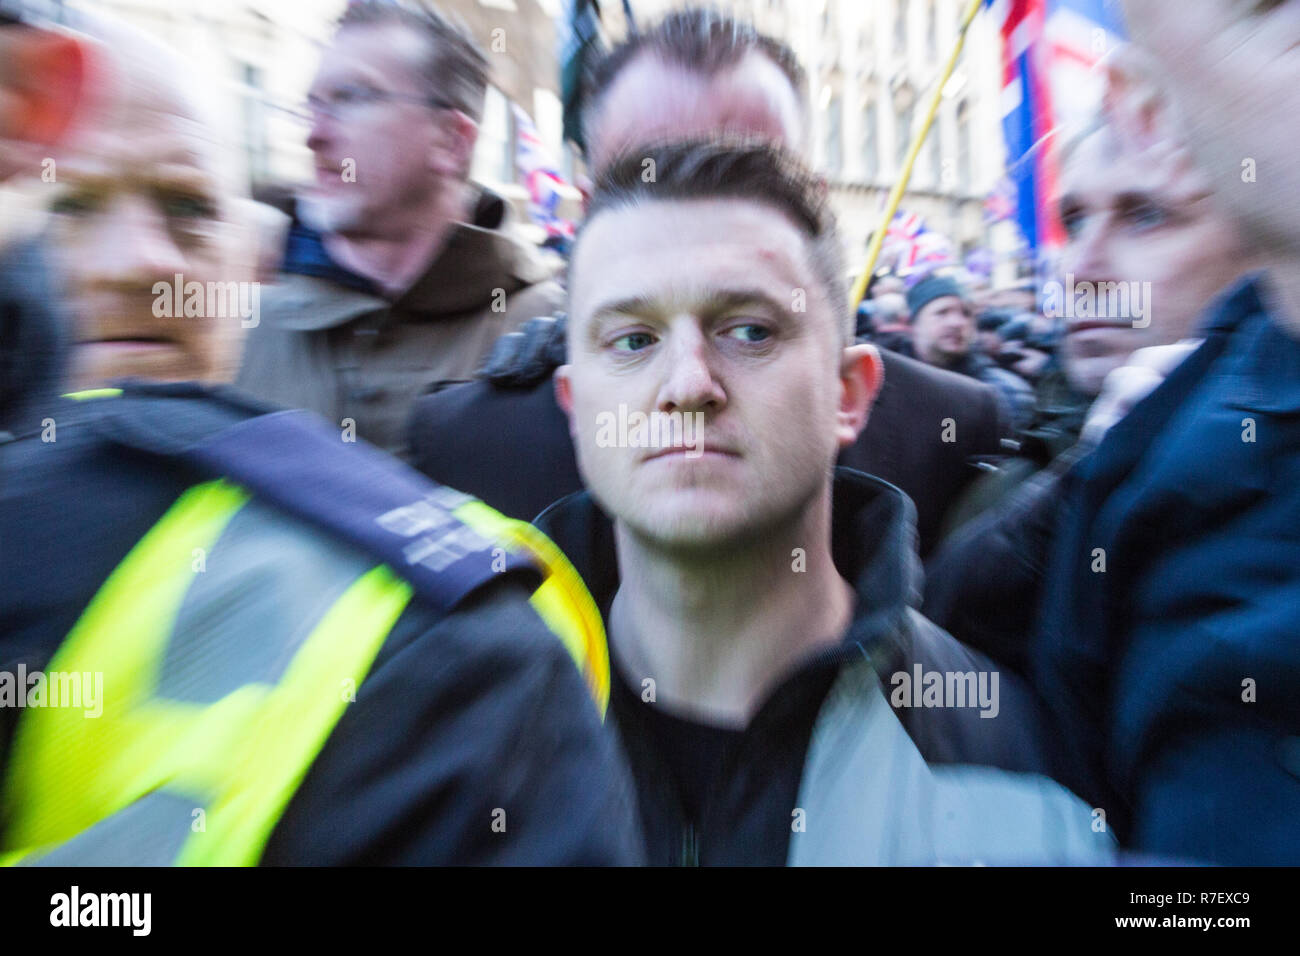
1131	222
653	100
1233	67
688	307
943	330
376	155
138	202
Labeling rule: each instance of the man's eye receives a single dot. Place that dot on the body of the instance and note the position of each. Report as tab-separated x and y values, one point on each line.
188	207
633	342
749	333
1072	219
347	95
1146	216
75	204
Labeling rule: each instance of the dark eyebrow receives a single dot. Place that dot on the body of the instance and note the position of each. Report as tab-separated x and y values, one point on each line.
1068	200
1134	197
718	300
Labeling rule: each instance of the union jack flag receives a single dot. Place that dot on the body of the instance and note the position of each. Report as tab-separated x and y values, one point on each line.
905	225
538	173
1045	44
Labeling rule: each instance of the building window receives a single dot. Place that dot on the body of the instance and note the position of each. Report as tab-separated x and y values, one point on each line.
931	31
870	144
933	154
965	155
903	133
494	160
900	29
834	139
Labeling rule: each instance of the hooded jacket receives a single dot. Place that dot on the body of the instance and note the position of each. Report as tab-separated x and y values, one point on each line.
856	757
326	340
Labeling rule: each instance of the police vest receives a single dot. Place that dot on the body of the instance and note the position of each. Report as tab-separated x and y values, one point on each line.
231	640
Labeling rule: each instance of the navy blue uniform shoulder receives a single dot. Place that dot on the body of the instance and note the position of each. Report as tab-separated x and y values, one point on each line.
305	467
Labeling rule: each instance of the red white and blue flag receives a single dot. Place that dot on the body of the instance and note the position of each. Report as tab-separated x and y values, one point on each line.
1046	45
537	170
911	247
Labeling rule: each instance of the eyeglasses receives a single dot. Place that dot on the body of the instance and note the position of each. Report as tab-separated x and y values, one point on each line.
343	101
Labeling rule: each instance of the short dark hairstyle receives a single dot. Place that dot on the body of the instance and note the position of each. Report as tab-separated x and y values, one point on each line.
701	39
456	69
745	169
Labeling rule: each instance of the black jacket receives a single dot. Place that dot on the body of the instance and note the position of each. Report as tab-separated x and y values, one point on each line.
799	750
511	446
465	709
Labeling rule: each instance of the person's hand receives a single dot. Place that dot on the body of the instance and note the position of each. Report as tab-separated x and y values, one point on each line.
523	359
1132	382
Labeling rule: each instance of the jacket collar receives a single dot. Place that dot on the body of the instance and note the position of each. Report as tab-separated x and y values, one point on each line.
479	257
1237	303
873	544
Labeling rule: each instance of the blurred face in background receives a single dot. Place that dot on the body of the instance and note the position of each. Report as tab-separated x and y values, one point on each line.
669	314
888	286
1233	68
943	331
652	99
1133	221
383	150
138	199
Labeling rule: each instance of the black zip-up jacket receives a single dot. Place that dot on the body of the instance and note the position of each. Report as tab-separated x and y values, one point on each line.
786	790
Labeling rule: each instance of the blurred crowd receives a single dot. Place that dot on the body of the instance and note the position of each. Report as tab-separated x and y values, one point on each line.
394	542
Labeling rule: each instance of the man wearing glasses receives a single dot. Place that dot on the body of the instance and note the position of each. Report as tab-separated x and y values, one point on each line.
398	272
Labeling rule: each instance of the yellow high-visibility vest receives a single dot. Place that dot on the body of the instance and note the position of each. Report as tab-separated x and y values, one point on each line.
208	726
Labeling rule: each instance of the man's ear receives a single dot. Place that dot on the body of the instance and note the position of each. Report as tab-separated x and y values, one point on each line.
563	385
452	153
861	375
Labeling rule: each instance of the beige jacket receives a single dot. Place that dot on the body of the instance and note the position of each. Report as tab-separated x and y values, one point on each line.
361	361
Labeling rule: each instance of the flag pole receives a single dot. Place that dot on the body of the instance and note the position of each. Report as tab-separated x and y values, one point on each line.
896	194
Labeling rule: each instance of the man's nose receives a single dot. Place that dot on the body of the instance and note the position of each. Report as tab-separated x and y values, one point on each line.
318	134
690	383
132	246
1088	258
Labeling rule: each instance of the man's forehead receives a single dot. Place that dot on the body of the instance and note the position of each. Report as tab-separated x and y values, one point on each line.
1102	169
655	99
682	248
169	150
381	52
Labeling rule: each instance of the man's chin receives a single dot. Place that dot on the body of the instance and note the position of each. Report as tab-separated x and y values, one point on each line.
324	214
97	363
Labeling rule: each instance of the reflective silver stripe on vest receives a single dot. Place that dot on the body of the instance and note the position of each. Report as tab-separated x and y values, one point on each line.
870	799
267	583
150	832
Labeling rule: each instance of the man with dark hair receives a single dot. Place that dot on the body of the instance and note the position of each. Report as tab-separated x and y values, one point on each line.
399	272
697	73
759	610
